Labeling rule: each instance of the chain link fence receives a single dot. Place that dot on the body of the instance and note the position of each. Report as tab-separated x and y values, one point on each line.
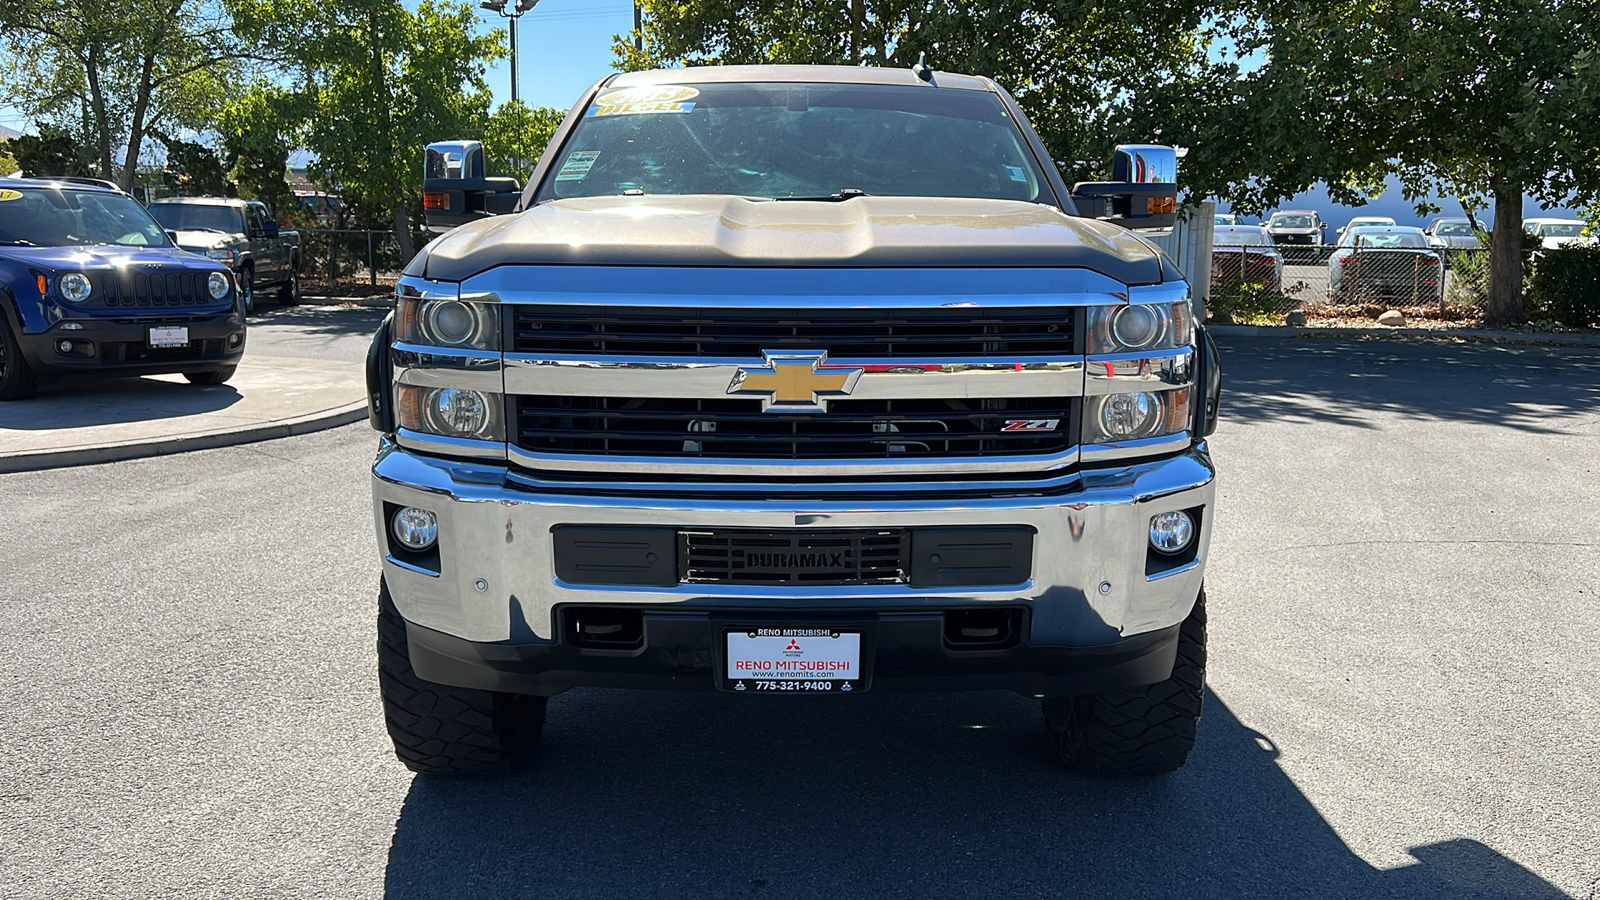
350	259
1290	282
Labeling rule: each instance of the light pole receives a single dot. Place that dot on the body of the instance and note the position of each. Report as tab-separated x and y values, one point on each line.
513	14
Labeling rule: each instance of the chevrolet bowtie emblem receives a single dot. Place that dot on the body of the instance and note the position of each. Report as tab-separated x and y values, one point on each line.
795	382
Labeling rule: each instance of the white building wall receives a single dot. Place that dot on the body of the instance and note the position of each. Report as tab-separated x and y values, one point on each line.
1189	247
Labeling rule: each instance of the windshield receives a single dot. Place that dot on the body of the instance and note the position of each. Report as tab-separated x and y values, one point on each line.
196	217
795	141
1561	229
62	217
1390	239
1453	229
1240	239
1369	220
1291	221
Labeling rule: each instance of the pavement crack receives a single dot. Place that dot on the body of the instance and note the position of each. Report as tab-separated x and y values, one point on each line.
1400	541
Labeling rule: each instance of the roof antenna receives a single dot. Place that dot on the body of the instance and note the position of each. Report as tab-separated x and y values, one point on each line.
921	69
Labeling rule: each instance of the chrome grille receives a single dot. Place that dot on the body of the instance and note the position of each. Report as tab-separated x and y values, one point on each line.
738	429
917	335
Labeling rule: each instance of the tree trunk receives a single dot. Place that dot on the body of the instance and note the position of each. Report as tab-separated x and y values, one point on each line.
97	107
402	233
1505	257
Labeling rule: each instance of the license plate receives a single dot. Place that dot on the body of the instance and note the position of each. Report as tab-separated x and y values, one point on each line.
795	660
169	337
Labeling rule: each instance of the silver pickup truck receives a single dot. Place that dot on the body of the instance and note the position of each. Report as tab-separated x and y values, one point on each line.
793	380
240	234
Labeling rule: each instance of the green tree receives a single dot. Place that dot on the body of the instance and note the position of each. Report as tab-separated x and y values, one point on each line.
515	136
1482	101
1077	67
50	152
112	73
377	82
193	169
259	129
8	162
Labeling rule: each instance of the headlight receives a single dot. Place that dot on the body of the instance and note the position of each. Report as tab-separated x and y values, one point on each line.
1140	326
218	284
1116	418
450	412
222	254
448	323
73	287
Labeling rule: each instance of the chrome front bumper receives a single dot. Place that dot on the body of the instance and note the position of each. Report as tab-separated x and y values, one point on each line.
496	577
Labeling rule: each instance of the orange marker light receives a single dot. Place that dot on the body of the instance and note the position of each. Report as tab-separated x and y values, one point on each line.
1161	206
43	285
435	200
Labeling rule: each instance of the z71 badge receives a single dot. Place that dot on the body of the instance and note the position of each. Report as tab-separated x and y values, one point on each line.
1031	425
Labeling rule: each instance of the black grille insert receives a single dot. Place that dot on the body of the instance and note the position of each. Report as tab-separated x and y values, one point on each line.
738	429
143	289
922	335
834	556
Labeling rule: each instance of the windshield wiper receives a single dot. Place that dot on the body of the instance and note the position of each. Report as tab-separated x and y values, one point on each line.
19	243
845	194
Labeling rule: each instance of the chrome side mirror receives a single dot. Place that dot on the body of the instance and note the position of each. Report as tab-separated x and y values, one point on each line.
1143	192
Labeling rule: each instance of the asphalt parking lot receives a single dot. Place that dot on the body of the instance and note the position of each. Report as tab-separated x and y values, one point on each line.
1404	590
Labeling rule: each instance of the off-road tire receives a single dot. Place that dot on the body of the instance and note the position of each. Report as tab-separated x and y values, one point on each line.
247	289
289	291
215	376
442	730
1139	731
17	378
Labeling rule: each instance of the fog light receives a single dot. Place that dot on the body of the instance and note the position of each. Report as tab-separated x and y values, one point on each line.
64	346
1171	532
415	529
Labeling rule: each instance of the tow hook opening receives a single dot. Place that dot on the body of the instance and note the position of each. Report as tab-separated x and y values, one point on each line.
603	627
982	629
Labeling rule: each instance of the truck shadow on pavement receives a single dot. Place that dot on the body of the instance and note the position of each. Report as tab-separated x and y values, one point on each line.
1528	388
640	794
330	320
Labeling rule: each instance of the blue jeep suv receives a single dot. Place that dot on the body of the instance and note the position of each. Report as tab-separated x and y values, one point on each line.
91	284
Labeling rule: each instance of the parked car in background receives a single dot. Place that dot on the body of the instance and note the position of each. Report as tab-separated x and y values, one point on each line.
91	284
1363	222
320	205
1244	255
1387	263
1225	219
1297	226
1452	233
1556	233
240	234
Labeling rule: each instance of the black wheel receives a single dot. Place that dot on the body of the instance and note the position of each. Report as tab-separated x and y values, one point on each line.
1140	731
247	290
17	379
289	292
441	730
215	376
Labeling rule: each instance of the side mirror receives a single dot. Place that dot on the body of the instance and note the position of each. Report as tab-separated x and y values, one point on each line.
1323	225
1143	192
270	229
455	190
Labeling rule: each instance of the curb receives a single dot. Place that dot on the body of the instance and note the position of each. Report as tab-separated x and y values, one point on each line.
1467	334
85	456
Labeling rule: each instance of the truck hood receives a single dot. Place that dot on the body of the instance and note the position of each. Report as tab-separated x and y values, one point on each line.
718	230
104	256
203	240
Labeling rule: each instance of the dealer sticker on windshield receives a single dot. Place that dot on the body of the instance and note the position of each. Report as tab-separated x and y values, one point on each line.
794	659
578	164
666	98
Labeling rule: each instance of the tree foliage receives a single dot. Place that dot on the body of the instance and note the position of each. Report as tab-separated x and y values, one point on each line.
1078	68
1480	101
8	162
375	82
111	73
515	136
259	129
193	169
50	152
